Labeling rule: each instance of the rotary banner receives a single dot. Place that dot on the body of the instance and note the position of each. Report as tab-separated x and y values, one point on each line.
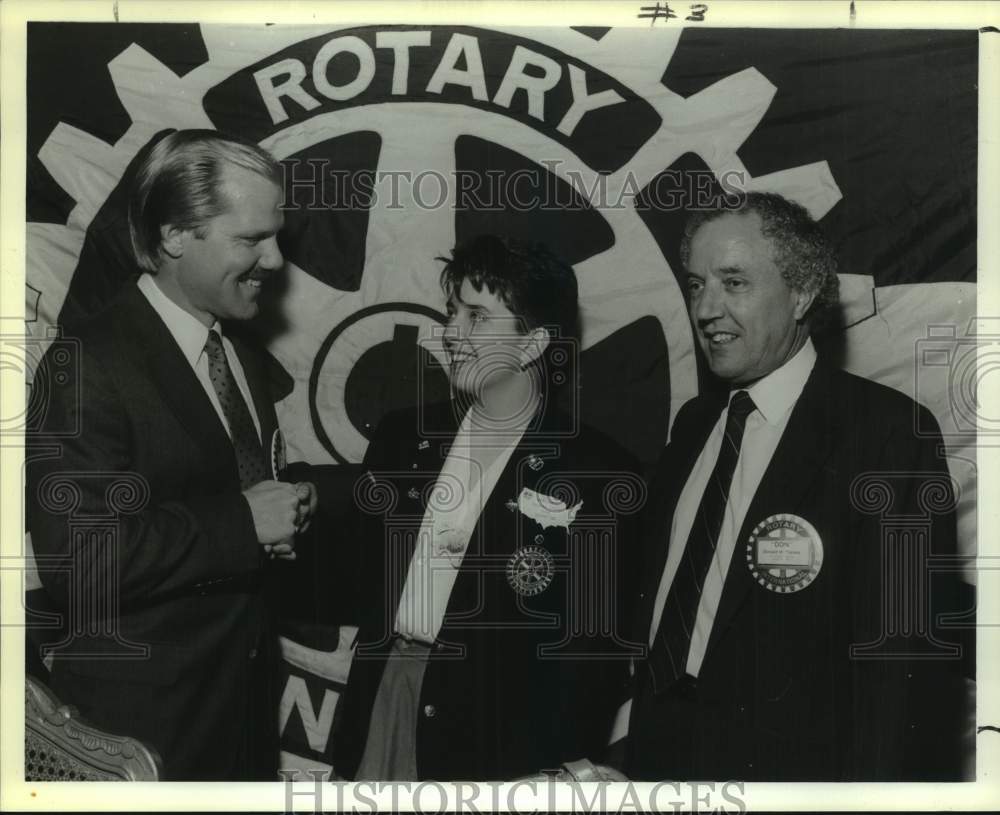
400	141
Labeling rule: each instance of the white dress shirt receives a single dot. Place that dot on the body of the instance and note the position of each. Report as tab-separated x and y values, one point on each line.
464	485
191	335
774	397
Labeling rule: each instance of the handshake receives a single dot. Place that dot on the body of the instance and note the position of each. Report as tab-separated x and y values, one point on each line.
280	511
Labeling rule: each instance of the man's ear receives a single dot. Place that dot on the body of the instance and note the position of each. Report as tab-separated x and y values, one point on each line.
536	341
172	239
803	302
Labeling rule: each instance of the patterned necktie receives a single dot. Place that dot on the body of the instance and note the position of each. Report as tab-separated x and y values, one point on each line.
249	455
669	654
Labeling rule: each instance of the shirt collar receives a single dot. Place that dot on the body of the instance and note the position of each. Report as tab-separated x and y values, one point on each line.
471	428
775	394
188	332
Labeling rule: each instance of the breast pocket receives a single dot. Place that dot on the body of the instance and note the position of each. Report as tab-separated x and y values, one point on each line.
173	458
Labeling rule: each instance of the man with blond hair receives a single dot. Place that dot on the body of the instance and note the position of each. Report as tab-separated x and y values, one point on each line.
175	404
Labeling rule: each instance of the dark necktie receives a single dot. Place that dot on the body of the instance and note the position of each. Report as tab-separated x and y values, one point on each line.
249	455
669	654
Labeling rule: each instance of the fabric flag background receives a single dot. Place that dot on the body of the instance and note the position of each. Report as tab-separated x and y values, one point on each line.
596	141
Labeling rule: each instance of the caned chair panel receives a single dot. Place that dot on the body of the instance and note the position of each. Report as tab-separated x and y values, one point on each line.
60	746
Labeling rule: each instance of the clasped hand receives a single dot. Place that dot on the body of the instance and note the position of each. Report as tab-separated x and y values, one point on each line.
279	512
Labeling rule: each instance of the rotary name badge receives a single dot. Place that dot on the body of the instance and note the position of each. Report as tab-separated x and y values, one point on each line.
784	553
530	570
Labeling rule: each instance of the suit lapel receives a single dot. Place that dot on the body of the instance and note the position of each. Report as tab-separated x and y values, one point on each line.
799	458
176	381
686	443
535	456
421	459
260	391
495	533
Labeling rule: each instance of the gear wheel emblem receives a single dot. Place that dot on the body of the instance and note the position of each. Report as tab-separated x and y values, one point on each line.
403	238
530	570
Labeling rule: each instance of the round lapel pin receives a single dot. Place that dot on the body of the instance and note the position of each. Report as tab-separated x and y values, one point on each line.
784	553
530	570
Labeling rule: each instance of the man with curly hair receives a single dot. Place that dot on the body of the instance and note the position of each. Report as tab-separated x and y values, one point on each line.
783	645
